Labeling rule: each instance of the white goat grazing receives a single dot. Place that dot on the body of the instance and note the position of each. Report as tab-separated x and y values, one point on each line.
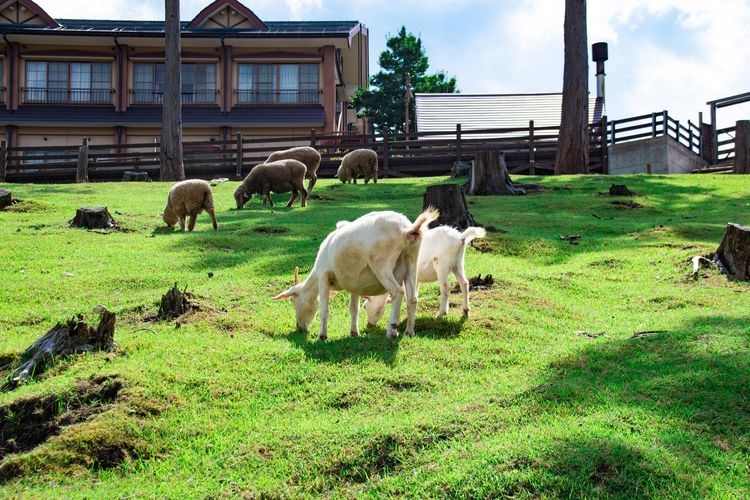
372	255
441	253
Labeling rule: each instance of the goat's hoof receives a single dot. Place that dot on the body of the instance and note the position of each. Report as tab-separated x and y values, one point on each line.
354	334
322	338
410	334
370	325
440	316
466	313
392	334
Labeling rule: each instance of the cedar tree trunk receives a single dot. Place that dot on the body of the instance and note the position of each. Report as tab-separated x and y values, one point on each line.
171	167
573	143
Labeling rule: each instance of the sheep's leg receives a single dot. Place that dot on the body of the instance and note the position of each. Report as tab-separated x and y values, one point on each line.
354	314
295	193
311	183
191	223
411	288
304	195
182	222
463	283
323	289
384	274
213	218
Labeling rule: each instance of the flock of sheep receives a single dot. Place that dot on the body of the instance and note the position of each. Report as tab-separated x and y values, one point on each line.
378	256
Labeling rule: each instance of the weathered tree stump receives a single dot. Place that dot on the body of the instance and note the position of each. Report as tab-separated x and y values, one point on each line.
6	198
450	200
135	176
64	339
620	190
489	176
733	254
460	168
174	303
94	218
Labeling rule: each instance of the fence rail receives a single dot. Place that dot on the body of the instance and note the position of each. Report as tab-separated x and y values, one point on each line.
655	125
527	150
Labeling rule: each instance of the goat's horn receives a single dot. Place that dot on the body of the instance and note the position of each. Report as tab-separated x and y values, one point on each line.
296	275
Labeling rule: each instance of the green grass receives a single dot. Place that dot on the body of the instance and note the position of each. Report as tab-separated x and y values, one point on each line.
542	392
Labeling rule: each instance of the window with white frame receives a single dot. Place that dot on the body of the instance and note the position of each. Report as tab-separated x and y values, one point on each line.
57	82
198	83
285	84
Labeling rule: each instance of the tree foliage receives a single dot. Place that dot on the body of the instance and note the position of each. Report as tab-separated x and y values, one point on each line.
383	104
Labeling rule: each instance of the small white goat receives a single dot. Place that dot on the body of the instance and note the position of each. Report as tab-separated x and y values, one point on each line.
372	255
441	253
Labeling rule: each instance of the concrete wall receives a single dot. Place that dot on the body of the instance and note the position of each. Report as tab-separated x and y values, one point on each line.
663	154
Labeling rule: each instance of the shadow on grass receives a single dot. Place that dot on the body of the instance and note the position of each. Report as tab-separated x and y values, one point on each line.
683	394
371	344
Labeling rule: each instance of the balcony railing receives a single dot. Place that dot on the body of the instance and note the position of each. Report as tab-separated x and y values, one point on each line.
276	97
44	95
189	97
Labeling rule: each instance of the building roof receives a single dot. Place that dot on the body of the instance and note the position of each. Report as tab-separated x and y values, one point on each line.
441	112
228	18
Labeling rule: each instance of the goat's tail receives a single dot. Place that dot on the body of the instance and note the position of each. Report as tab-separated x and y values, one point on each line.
471	233
420	225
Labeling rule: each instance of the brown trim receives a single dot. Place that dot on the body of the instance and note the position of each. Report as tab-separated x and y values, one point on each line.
35	9
329	88
216	6
14	74
122	78
60	53
227	81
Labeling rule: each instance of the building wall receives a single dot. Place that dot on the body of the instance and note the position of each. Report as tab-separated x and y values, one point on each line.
659	155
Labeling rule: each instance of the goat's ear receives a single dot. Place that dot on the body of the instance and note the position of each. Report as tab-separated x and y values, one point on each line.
287	294
332	293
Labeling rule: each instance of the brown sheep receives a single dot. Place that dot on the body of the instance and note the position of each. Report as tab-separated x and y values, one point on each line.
360	162
189	197
279	176
307	155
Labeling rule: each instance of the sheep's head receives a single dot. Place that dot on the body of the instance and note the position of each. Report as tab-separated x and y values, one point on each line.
241	196
305	300
375	307
169	217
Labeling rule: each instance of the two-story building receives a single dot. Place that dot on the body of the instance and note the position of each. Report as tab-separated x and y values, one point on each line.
64	79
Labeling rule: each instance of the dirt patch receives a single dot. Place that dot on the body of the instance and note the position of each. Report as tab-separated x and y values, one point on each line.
626	205
610	263
320	197
25	206
270	230
29	422
482	246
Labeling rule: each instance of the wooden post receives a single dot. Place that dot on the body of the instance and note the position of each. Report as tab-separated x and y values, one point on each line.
459	152
238	155
3	160
82	172
653	125
690	135
742	147
605	145
532	155
665	122
312	138
709	146
386	154
613	131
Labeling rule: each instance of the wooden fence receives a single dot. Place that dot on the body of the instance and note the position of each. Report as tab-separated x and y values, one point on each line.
527	150
656	125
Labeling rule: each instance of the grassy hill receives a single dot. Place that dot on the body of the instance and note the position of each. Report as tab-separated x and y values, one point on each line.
543	391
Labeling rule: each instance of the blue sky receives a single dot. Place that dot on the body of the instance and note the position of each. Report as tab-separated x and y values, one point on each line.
663	54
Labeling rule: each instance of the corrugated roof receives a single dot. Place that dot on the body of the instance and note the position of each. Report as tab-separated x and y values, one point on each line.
441	112
156	28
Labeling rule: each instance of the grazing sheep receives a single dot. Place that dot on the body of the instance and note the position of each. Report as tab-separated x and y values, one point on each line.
360	162
372	255
442	252
189	197
307	155
279	176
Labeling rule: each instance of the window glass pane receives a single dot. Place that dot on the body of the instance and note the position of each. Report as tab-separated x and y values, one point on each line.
187	81
266	82
80	81
205	83
288	83
160	75
57	82
101	82
308	76
143	82
36	81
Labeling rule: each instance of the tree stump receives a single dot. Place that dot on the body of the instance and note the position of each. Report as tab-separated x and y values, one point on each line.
6	198
450	200
733	254
489	176
64	339
620	190
94	218
135	175
174	303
